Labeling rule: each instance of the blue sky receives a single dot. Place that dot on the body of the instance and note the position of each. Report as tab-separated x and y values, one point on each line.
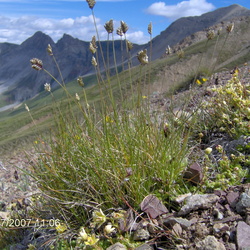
20	19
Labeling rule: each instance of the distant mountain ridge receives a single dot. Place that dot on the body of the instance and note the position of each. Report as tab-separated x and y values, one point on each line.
19	82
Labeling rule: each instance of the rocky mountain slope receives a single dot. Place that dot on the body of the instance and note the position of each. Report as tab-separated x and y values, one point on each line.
19	82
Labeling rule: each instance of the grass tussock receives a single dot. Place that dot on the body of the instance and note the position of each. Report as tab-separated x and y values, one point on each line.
110	153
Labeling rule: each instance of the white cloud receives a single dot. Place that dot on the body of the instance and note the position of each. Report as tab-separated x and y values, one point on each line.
181	9
18	29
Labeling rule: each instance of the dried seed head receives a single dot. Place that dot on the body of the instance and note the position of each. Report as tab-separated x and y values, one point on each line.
47	87
119	31
26	107
168	50
230	27
219	31
91	3
150	28
49	50
210	34
124	27
80	81
93	61
92	48
129	44
180	53
93	41
36	64
109	26
77	97
142	57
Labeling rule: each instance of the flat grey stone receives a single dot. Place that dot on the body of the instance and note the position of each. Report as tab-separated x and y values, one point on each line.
141	234
198	201
184	223
144	247
117	246
210	243
243	236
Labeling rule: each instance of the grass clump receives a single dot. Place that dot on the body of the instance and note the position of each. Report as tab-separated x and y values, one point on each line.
112	153
106	156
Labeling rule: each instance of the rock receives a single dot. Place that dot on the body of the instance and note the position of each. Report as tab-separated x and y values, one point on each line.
220	227
144	247
220	193
201	230
218	214
117	246
184	223
179	199
232	198
141	234
153	206
242	236
194	173
231	246
198	201
177	230
243	204
210	243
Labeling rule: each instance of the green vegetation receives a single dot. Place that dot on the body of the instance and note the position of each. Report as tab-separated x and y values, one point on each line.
107	148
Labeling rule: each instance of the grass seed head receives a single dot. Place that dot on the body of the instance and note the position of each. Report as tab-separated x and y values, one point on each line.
36	64
91	3
109	26
26	107
119	31
77	97
168	50
93	61
80	81
130	45
47	87
150	28
49	50
92	48
180	53
230	27
142	57
93	41
124	27
210	35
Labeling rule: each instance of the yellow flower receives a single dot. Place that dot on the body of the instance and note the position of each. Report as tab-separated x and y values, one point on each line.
204	79
144	97
108	119
99	217
61	228
91	240
198	82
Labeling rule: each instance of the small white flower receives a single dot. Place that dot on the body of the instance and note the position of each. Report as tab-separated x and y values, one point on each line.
109	229
83	234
